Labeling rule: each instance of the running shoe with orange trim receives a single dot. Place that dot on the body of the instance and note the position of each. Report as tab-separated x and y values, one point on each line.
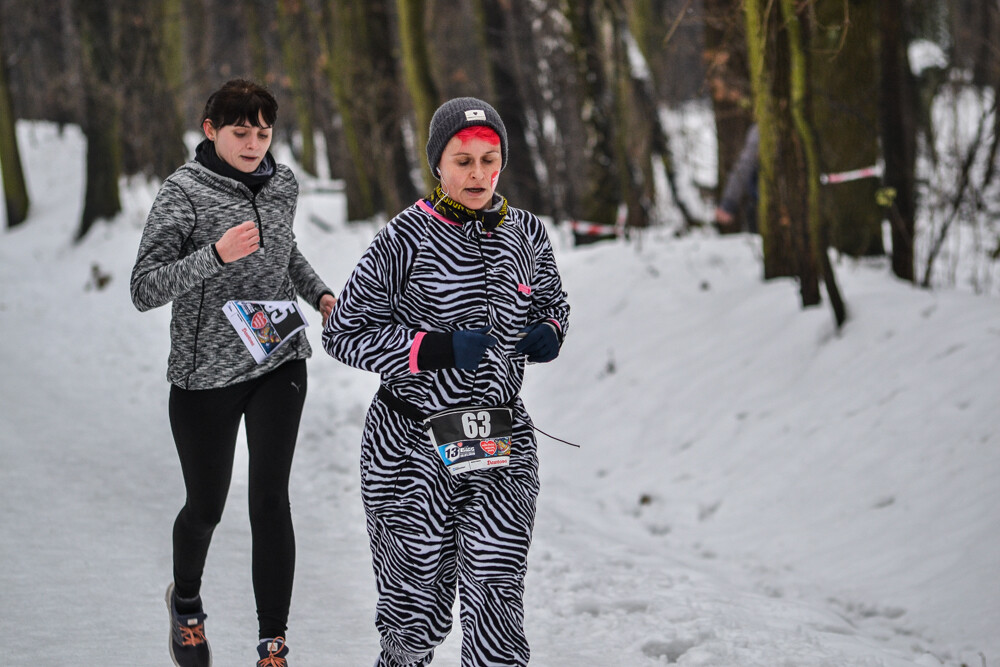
272	652
188	645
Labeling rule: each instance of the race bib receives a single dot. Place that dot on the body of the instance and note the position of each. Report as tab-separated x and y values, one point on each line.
264	326
471	438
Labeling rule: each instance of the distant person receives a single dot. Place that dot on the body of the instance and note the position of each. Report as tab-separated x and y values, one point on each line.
220	229
449	302
739	198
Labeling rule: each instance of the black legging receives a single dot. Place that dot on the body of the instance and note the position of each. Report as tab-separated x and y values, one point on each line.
205	424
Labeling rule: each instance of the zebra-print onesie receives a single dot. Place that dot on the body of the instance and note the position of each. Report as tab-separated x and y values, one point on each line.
431	531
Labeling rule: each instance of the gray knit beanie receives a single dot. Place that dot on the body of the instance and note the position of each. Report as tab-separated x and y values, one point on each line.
458	114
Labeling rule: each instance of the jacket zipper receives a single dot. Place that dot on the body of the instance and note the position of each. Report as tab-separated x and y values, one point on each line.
260	223
486	296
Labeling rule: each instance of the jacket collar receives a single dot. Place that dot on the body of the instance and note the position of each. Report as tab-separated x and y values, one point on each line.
206	156
450	210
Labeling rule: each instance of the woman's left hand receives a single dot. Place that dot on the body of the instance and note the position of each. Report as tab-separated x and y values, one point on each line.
326	304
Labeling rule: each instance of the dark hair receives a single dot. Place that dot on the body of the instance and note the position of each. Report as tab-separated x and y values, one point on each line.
239	101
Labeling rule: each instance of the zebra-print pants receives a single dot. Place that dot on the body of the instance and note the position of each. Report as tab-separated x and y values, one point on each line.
432	532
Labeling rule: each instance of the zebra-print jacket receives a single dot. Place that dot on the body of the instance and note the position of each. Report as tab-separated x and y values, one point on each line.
423	273
176	262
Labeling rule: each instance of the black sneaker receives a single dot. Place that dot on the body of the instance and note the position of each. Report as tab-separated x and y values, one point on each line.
188	646
272	652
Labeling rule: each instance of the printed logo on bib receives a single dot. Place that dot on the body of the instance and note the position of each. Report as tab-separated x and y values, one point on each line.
264	326
471	438
259	320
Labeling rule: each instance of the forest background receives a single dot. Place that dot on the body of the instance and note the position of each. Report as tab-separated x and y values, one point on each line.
879	550
584	88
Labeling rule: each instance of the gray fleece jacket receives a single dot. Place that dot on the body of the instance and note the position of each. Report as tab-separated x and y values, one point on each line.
176	262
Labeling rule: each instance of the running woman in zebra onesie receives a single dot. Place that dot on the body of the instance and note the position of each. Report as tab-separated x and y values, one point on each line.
447	304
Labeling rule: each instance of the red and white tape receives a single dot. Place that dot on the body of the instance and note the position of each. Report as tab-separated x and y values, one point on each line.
853	175
592	228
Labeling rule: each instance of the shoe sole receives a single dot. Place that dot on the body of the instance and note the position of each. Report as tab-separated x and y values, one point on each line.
170	633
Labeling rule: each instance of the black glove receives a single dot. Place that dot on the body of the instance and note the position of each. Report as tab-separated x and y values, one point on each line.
470	346
540	342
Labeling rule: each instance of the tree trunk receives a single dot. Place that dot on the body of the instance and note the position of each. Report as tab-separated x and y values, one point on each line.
602	179
790	220
974	26
146	83
337	26
102	124
728	81
816	259
988	55
520	182
417	72
635	115
366	88
844	78
175	60
293	21
200	74
806	222
14	187
386	115
773	219
898	127
646	98
255	41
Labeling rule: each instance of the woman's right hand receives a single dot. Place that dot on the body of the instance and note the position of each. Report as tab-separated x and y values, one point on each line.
238	242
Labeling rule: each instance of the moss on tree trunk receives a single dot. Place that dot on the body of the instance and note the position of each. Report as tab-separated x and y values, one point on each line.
417	71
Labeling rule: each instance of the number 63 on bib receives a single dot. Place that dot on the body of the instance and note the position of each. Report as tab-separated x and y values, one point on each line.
471	438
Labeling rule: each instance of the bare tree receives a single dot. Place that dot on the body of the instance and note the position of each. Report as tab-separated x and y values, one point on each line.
728	82
773	219
501	37
592	35
149	74
14	187
370	101
389	115
789	178
801	112
340	20
844	80
257	28
417	70
294	21
647	99
898	129
99	29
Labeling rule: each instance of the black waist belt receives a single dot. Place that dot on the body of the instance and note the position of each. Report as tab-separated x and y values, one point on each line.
410	411
399	406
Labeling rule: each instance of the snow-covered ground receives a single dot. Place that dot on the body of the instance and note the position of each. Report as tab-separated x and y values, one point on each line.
752	487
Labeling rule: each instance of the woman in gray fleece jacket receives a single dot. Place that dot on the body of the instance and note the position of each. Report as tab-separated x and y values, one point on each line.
220	229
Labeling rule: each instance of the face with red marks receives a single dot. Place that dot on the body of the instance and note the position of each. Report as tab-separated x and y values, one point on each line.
470	166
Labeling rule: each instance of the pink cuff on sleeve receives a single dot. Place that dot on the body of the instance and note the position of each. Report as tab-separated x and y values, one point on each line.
415	349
